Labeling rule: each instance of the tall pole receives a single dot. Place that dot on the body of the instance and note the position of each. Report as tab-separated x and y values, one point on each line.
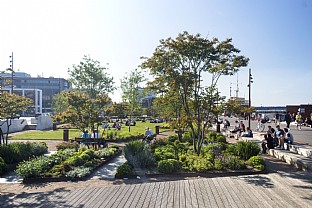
249	93
11	67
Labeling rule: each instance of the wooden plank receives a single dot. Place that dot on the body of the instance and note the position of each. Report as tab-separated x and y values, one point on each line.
74	195
160	195
133	195
214	193
193	193
126	196
120	196
150	192
84	197
205	195
176	194
164	196
218	189
109	193
244	193
187	191
225	190
182	197
101	195
210	195
144	189
155	196
171	192
200	195
235	192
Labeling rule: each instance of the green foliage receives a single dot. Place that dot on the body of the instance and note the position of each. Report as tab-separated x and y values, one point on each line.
3	166
124	170
107	152
165	152
234	163
196	163
257	162
173	137
168	166
67	145
246	150
218	164
33	168
79	172
213	137
18	151
187	137
138	155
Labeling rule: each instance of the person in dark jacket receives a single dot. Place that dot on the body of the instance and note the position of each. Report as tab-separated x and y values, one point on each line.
288	119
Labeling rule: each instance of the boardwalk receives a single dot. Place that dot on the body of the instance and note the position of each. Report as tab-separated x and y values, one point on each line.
271	190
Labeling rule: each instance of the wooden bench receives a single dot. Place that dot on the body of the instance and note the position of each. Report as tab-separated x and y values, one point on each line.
95	142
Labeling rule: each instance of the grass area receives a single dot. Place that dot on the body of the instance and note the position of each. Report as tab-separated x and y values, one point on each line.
58	134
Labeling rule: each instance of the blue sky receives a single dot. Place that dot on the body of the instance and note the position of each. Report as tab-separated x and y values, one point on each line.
47	37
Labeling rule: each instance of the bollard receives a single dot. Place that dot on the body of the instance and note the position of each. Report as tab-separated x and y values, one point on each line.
65	135
157	129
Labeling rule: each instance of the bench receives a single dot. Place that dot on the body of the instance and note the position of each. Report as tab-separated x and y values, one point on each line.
95	142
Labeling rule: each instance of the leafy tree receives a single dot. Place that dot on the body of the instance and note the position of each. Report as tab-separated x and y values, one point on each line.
11	105
178	65
60	103
90	77
130	85
118	109
83	112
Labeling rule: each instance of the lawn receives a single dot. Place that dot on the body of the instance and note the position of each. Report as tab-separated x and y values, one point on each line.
58	134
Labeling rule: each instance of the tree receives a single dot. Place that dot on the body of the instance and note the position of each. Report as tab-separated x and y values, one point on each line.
118	109
83	112
178	65
11	105
130	86
90	77
60	103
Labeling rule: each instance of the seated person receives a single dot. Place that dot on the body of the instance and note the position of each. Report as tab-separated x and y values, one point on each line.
237	127
249	133
279	136
148	134
85	134
268	143
289	138
308	122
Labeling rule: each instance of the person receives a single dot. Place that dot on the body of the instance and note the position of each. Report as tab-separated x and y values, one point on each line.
279	137
268	143
308	122
242	126
148	135
249	133
237	127
95	134
277	119
289	138
288	119
85	134
299	120
226	124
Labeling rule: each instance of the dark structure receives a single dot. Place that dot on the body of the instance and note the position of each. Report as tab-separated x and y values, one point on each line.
305	109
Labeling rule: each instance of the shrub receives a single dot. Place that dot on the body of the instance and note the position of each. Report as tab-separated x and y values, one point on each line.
173	137
165	152
246	150
123	170
78	172
67	145
257	162
33	168
187	137
235	163
106	152
218	165
75	161
213	137
138	155
18	151
3	167
168	166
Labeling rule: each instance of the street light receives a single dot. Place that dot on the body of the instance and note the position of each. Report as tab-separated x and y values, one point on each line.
249	92
12	71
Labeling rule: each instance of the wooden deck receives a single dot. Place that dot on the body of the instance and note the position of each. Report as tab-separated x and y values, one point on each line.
271	190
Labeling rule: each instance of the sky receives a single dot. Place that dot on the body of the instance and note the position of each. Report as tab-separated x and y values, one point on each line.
48	37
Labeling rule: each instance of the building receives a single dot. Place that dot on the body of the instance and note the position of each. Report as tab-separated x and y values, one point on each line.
304	109
41	90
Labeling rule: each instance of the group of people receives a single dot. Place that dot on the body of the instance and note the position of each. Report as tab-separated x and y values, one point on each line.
241	130
94	134
277	138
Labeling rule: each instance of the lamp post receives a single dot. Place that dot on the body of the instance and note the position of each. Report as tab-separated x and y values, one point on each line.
249	93
12	71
